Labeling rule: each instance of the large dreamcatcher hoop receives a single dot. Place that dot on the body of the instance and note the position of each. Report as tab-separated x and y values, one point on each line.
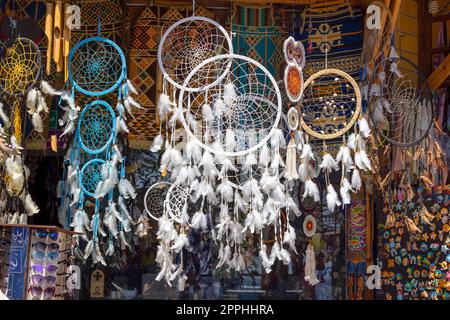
186	44
248	93
96	127
96	66
177	198
154	199
401	107
331	104
20	67
90	176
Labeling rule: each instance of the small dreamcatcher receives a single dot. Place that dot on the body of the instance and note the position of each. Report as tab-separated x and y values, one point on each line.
20	67
154	199
185	45
401	103
91	176
294	55
176	202
20	84
331	104
96	127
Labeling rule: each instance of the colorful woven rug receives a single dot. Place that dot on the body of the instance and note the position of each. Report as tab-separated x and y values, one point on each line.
337	29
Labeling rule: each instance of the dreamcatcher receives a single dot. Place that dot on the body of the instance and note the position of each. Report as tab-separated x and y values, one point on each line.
154	199
401	110
20	84
95	166
183	46
231	161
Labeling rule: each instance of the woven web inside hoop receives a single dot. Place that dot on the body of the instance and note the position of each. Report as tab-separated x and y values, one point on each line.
154	199
176	198
253	115
186	44
330	105
96	126
91	175
96	66
402	107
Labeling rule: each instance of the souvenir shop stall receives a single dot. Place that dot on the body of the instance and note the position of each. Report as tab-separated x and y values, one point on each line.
224	149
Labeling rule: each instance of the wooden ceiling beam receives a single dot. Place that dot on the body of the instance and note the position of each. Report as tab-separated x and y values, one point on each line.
440	74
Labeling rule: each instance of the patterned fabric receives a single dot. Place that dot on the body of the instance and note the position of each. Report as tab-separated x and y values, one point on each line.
253	16
110	14
263	44
143	67
256	35
338	29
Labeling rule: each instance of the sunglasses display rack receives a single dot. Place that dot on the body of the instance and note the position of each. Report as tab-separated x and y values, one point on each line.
34	262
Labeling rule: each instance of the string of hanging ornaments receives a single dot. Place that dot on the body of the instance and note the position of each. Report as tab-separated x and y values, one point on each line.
96	192
225	178
23	98
327	106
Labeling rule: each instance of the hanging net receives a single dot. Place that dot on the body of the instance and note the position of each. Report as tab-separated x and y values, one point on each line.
252	105
96	66
330	105
90	176
185	45
96	127
401	106
20	66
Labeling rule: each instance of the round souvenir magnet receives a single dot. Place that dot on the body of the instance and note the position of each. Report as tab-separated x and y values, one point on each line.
309	226
293	82
292	116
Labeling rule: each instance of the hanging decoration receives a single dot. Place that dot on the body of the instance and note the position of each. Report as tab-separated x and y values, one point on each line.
97	193
294	55
23	94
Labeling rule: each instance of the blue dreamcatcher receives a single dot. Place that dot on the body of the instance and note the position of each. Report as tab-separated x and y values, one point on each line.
95	166
96	127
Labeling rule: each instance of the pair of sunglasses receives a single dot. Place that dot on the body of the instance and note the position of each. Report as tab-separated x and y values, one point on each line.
37	291
39	268
42	246
41	255
38	279
53	235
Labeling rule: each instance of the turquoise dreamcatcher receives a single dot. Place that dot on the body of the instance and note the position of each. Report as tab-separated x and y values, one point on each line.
94	166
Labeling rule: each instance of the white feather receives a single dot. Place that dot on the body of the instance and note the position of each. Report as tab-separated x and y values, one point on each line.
181	242
157	143
332	198
199	221
328	164
266	262
131	87
48	89
229	95
356	180
226	191
36	120
164	105
364	128
277	139
362	161
31	100
126	189
345	157
230	142
208	116
311	190
219	107
4	117
30	206
250	161
264	156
